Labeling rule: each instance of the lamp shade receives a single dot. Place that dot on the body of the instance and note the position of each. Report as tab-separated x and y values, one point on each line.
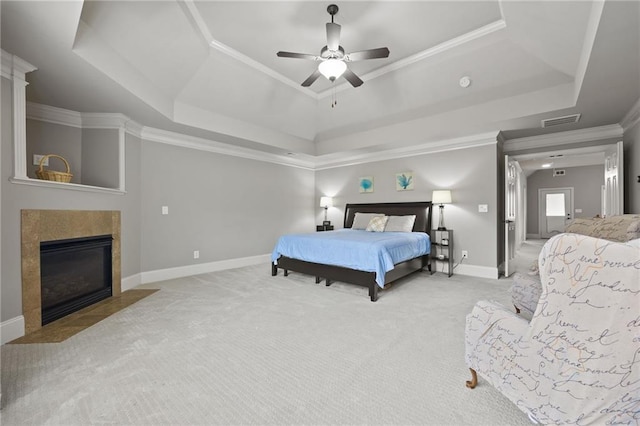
441	197
326	202
332	68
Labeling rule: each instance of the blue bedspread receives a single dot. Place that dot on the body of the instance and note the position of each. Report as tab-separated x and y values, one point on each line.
355	249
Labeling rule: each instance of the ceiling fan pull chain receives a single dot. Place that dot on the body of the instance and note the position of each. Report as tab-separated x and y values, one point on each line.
334	99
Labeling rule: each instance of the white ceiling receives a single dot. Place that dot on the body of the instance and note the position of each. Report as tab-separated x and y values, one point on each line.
209	68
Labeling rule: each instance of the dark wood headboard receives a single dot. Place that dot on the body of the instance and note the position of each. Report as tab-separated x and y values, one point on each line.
422	210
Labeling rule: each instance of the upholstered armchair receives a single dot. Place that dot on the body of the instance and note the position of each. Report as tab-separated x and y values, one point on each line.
578	360
526	288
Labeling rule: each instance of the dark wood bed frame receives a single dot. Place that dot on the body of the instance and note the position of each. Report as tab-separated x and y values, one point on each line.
422	210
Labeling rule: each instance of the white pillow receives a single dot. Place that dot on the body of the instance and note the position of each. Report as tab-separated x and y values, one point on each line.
377	224
400	223
361	220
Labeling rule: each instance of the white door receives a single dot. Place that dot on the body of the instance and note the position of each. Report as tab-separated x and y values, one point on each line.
510	209
613	181
555	207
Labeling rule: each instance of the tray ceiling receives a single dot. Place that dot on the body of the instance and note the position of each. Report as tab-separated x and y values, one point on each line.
209	68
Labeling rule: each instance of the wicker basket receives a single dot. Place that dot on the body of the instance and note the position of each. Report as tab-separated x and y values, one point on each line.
52	174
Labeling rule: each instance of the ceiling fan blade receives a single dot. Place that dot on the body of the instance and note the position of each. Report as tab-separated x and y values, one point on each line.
381	52
333	36
298	56
352	78
313	77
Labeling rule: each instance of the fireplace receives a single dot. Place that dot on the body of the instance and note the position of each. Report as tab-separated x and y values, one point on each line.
75	273
50	225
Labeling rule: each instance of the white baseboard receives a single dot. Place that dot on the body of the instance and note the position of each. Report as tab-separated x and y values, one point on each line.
11	329
130	282
202	268
477	271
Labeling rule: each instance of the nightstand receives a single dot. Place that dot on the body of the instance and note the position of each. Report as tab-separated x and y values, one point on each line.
442	248
320	228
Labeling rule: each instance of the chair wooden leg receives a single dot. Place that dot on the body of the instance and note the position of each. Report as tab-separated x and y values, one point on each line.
474	379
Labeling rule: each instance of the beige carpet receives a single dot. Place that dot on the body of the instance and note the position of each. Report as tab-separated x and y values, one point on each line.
241	347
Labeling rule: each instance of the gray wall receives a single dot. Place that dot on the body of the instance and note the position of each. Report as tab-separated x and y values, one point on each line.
100	157
632	169
469	173
226	207
586	181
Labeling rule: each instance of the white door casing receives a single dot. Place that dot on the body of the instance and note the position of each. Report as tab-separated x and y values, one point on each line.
510	212
614	181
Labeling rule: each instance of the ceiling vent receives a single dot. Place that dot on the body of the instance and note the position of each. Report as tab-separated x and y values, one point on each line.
558	173
574	118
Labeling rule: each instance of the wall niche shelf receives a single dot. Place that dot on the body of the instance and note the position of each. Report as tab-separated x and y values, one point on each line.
67	186
94	143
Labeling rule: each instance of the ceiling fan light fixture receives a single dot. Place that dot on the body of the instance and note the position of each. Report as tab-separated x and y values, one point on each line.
332	68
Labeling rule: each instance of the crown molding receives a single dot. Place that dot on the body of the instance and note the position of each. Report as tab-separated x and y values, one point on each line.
201	26
7	62
119	121
564	138
13	66
192	142
92	120
134	128
420	56
483	139
53	115
631	118
198	22
82	120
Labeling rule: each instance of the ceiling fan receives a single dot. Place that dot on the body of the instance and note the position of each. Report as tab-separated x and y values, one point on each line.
332	56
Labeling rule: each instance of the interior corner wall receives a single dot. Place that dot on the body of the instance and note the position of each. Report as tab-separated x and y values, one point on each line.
585	180
469	173
223	206
631	140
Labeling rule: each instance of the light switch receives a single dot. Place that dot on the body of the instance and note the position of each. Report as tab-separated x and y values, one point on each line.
578	210
165	209
483	208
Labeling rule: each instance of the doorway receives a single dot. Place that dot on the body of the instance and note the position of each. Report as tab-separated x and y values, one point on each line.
555	209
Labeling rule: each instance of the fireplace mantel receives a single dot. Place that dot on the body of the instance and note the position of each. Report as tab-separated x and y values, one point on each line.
50	225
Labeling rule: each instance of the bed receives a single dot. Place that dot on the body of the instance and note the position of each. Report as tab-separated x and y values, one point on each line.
367	278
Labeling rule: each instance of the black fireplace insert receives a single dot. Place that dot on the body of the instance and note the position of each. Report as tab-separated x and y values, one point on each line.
74	274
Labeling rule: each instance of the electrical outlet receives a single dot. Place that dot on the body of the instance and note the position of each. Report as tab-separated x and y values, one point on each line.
37	158
465	254
196	254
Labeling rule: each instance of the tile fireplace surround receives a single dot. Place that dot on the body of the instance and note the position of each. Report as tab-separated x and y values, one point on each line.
50	225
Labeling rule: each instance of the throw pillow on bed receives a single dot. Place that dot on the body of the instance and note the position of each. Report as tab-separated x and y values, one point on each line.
377	224
400	223
361	220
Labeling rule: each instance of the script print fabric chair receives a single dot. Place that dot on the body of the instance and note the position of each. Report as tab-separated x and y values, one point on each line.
578	360
526	289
